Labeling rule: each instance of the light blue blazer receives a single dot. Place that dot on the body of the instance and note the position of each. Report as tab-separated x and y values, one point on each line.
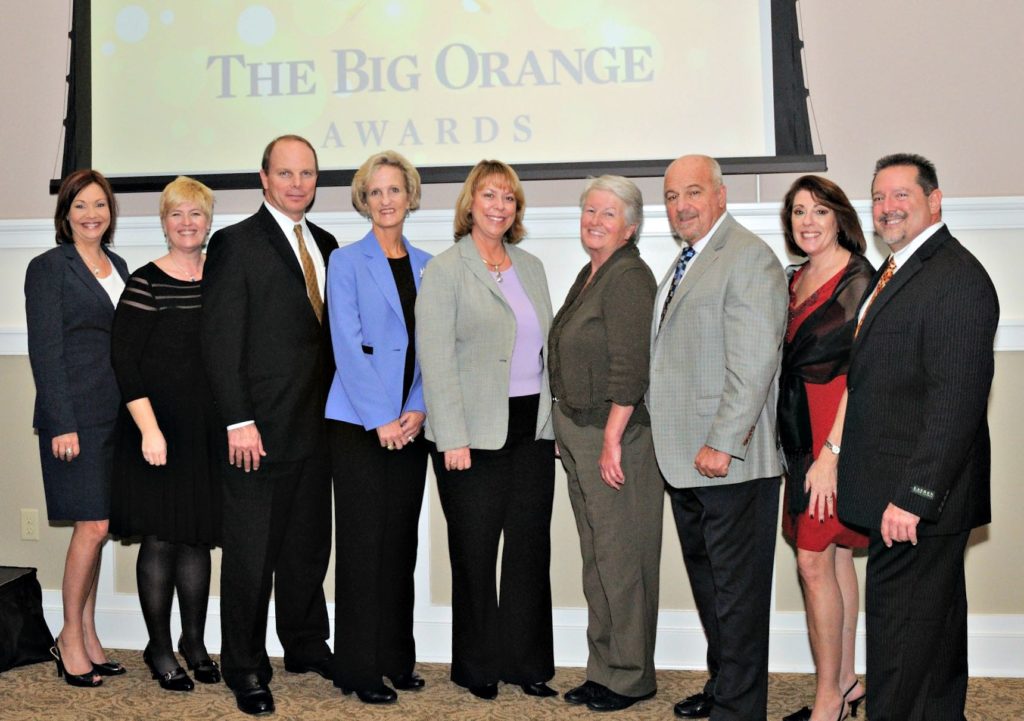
369	336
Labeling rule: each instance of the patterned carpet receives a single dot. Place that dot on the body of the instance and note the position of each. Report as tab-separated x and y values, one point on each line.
33	693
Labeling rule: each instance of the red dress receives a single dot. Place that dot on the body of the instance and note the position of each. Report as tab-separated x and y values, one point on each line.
812	534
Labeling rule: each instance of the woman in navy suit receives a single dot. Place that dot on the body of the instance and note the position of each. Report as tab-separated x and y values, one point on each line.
70	293
375	412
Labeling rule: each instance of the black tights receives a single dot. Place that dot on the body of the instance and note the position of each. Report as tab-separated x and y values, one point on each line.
161	569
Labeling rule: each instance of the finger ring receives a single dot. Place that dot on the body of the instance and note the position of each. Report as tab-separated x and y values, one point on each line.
410	439
391	446
67	453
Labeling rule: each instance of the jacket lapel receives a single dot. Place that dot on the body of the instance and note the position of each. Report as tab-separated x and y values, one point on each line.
475	264
707	257
280	243
903	275
380	271
80	269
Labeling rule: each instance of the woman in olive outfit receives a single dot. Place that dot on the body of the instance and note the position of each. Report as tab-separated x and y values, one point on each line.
599	346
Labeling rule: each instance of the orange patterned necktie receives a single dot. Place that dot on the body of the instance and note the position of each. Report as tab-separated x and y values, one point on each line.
312	289
890	268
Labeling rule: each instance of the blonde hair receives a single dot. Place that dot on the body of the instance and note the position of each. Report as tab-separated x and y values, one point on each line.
379	160
184	189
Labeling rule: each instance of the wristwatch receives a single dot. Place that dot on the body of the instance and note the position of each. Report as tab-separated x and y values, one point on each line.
832	447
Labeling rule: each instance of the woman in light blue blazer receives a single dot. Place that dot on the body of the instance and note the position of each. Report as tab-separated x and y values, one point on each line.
482	322
375	414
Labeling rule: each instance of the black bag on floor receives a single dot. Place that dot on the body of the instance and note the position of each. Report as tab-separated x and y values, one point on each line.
24	636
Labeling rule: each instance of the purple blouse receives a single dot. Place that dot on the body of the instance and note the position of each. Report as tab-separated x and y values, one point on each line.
526	370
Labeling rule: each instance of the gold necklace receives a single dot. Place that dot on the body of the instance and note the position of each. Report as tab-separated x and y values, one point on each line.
495	266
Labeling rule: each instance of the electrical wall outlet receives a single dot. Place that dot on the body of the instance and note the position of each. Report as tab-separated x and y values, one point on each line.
29	524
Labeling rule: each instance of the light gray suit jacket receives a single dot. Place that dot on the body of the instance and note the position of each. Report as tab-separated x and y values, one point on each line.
715	361
465	332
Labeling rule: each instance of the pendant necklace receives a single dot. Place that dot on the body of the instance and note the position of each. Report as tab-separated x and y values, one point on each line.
495	266
191	276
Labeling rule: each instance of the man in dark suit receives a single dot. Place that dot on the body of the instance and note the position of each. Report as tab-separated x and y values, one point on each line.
915	461
267	352
716	344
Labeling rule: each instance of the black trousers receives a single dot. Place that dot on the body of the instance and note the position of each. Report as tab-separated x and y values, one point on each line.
277	534
377	498
728	537
507	493
916	612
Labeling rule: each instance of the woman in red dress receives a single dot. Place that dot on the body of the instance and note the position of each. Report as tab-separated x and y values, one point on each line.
820	224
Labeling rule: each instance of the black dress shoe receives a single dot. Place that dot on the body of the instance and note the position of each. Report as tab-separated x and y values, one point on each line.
204	671
698	705
378	695
803	714
411	681
174	680
608	700
539	689
254	700
488	692
584	693
323	667
110	668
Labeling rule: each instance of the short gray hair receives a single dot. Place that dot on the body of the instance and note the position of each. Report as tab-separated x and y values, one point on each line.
625	190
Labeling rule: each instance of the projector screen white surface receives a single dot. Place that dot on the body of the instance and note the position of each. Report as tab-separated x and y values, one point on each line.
195	86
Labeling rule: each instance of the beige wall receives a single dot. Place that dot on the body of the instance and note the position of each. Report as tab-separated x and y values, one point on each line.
935	76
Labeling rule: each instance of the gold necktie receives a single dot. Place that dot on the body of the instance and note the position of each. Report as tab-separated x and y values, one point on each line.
312	289
890	268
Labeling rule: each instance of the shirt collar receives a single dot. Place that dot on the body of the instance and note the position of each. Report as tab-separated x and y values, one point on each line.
286	224
698	246
902	255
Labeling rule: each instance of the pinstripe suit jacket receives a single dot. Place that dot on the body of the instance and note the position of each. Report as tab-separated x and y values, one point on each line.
916	431
715	361
465	332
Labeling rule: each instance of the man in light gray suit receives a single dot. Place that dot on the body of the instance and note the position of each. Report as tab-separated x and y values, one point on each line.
716	344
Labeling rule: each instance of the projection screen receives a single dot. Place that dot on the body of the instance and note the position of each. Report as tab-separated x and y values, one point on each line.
558	88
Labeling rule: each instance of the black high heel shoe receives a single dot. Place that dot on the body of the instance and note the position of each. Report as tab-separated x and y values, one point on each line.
108	668
176	680
205	671
855	702
81	680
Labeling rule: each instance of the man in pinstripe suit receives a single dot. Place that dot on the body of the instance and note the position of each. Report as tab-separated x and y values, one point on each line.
915	462
719	320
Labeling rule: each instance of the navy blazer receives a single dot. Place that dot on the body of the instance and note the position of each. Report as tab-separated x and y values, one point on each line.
369	335
69	316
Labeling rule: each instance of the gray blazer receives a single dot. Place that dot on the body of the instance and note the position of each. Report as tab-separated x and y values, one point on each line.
465	332
715	361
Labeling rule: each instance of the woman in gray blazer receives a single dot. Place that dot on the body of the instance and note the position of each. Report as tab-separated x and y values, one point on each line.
600	353
482	320
70	293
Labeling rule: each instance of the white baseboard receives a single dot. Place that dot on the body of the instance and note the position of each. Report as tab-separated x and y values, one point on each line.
995	642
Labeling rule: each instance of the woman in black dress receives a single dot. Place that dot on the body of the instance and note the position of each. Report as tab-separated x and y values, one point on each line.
165	488
70	293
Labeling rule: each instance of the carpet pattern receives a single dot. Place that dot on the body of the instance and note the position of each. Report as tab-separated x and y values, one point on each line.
33	693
